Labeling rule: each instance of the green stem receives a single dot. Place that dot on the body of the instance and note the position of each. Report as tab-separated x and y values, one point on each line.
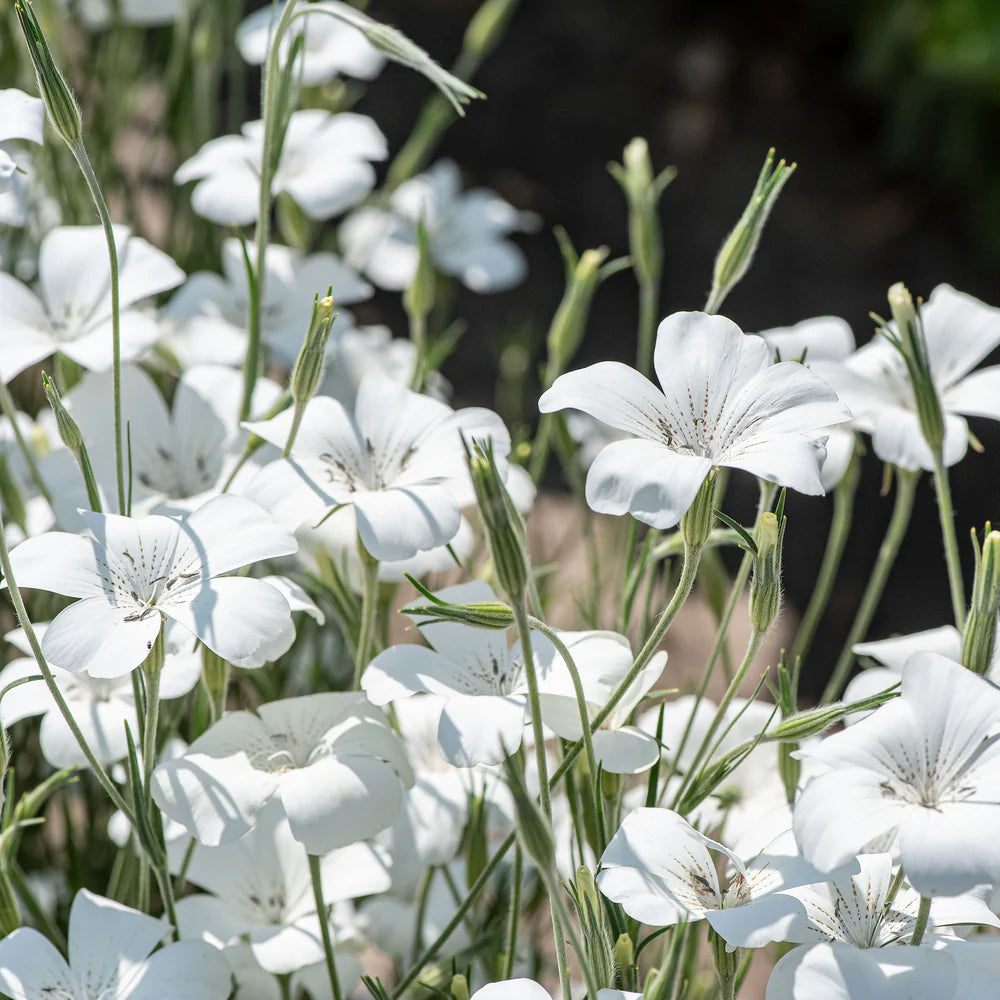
513	915
840	528
423	894
922	916
324	921
753	647
648	305
80	154
418	336
152	668
946	512
10	412
906	486
369	605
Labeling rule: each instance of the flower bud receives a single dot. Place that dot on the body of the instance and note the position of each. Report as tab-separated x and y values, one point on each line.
624	953
599	952
737	251
482	614
418	299
533	831
63	111
696	524
308	371
583	275
215	678
69	429
504	527
765	586
979	636
477	848
459	988
910	342
487	26
10	912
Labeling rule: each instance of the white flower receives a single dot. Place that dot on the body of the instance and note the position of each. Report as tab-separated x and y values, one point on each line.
109	946
130	572
72	313
723	404
259	887
330	47
466	234
181	456
21	117
960	331
659	868
331	759
483	680
101	706
208	314
528	989
324	167
924	767
398	461
823	338
101	14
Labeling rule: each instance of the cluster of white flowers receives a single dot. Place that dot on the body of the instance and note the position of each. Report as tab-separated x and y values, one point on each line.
229	485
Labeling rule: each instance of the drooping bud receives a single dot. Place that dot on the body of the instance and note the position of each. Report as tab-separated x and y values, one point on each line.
910	342
696	524
599	949
63	111
737	251
765	585
504	527
481	614
979	635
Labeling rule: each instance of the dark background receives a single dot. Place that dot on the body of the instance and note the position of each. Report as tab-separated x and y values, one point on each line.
891	111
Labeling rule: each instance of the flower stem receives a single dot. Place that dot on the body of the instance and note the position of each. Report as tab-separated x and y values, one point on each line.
922	916
86	168
152	668
946	512
648	296
906	486
753	647
369	605
513	915
840	528
324	925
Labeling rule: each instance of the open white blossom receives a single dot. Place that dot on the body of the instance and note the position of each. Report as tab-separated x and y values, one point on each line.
467	234
325	167
330	47
723	404
99	15
207	317
331	759
101	706
109	958
21	117
925	768
960	331
659	868
259	887
398	461
129	573
71	314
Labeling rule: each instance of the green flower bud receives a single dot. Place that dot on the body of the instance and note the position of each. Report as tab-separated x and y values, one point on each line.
910	342
459	988
483	614
727	963
504	528
739	247
979	635
215	678
10	912
583	275
418	299
63	111
476	840
765	586
594	927
697	523
624	953
308	371
69	429
487	26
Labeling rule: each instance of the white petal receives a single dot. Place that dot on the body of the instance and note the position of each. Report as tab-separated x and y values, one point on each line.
31	966
26	337
897	438
102	725
493	266
94	637
397	523
827	338
894	652
976	396
326	189
190	969
58	562
480	729
340	800
234	616
23	116
960	332
512	989
625	751
27	700
759	922
645	479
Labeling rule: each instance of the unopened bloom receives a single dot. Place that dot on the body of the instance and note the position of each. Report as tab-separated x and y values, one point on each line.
723	403
325	167
130	573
